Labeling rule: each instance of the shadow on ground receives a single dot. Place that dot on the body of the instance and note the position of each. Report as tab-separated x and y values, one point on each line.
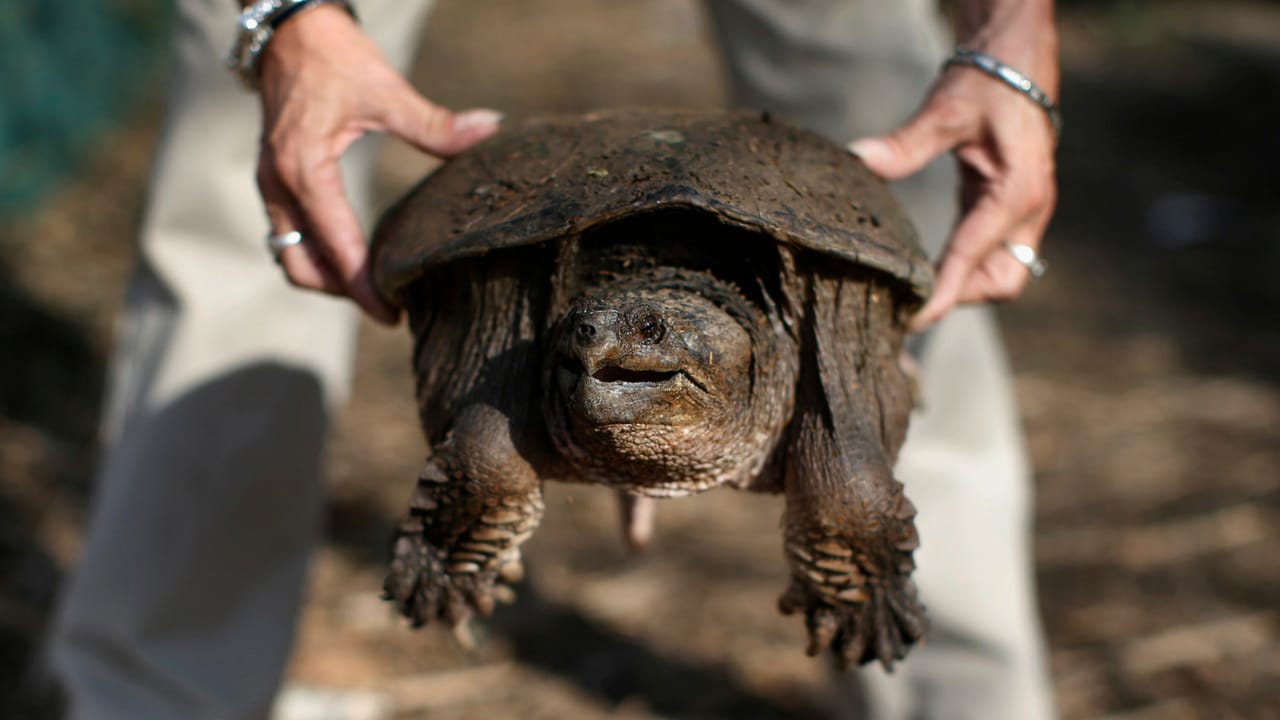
49	397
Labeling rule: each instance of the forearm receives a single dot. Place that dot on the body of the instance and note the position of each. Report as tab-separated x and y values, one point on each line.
1020	33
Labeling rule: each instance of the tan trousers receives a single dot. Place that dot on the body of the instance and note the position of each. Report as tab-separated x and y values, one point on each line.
208	504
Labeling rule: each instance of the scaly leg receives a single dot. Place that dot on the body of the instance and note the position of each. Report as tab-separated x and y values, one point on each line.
849	547
475	502
850	530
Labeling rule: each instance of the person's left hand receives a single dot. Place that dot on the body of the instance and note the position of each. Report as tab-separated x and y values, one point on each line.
1004	145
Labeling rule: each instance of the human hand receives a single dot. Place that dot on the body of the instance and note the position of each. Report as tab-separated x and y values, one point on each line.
324	84
1004	145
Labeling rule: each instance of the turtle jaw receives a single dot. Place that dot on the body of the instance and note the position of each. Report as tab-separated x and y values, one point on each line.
616	395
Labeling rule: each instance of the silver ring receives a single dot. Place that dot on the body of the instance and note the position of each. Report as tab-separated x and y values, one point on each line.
1026	255
277	243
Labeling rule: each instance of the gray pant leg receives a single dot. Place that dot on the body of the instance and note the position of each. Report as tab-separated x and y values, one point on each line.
208	502
850	68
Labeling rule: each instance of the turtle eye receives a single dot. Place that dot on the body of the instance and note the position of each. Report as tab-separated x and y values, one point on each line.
650	328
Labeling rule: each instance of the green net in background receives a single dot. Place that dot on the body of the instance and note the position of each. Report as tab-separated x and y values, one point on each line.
68	69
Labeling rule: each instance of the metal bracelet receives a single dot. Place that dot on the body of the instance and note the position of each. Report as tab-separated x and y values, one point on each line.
1012	78
255	27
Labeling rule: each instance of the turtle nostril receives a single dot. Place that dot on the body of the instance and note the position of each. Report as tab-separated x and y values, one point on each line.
586	333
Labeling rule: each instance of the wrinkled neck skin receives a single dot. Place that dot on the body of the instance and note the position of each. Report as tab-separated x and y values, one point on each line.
664	382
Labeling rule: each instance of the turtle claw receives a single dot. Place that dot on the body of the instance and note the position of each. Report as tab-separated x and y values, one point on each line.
851	606
425	586
458	550
823	626
858	632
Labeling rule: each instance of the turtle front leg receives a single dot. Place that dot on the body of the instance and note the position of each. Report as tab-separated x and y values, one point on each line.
849	530
849	536
475	502
850	558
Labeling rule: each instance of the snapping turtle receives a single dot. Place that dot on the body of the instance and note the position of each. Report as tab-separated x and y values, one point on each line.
662	303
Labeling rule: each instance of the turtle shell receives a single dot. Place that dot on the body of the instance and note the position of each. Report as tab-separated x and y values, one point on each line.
546	178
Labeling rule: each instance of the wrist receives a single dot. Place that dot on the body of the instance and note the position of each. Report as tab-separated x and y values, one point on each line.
1019	33
315	26
259	25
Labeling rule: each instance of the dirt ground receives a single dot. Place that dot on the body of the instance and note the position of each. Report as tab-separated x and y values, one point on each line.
1147	364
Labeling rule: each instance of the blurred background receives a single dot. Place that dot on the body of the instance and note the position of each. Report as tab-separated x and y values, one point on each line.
1147	364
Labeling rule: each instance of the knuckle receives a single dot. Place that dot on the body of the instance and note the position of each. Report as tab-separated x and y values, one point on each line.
949	109
288	168
950	115
276	144
1050	198
1008	286
310	178
267	178
436	121
349	258
290	160
1037	193
967	249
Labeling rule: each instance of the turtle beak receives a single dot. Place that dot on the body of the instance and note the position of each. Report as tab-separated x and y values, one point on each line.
614	346
594	340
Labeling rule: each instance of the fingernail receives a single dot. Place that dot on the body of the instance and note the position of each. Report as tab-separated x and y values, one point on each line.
869	150
476	118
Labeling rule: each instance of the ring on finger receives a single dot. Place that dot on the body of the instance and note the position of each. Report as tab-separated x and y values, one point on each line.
277	243
1027	257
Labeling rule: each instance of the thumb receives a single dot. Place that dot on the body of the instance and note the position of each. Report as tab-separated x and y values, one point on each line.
438	131
909	148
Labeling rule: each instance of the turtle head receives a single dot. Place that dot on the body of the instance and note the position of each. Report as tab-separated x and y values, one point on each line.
650	387
663	358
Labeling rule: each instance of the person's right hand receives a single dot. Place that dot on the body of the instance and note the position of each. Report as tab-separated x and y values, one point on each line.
323	85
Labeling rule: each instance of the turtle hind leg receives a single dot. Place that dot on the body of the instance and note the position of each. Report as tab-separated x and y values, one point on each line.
476	501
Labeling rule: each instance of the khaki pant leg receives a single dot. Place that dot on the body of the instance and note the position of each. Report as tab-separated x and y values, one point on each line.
849	68
208	502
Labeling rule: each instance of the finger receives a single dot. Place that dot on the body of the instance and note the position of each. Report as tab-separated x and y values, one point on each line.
939	126
303	265
1000	277
307	267
334	231
438	131
978	232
